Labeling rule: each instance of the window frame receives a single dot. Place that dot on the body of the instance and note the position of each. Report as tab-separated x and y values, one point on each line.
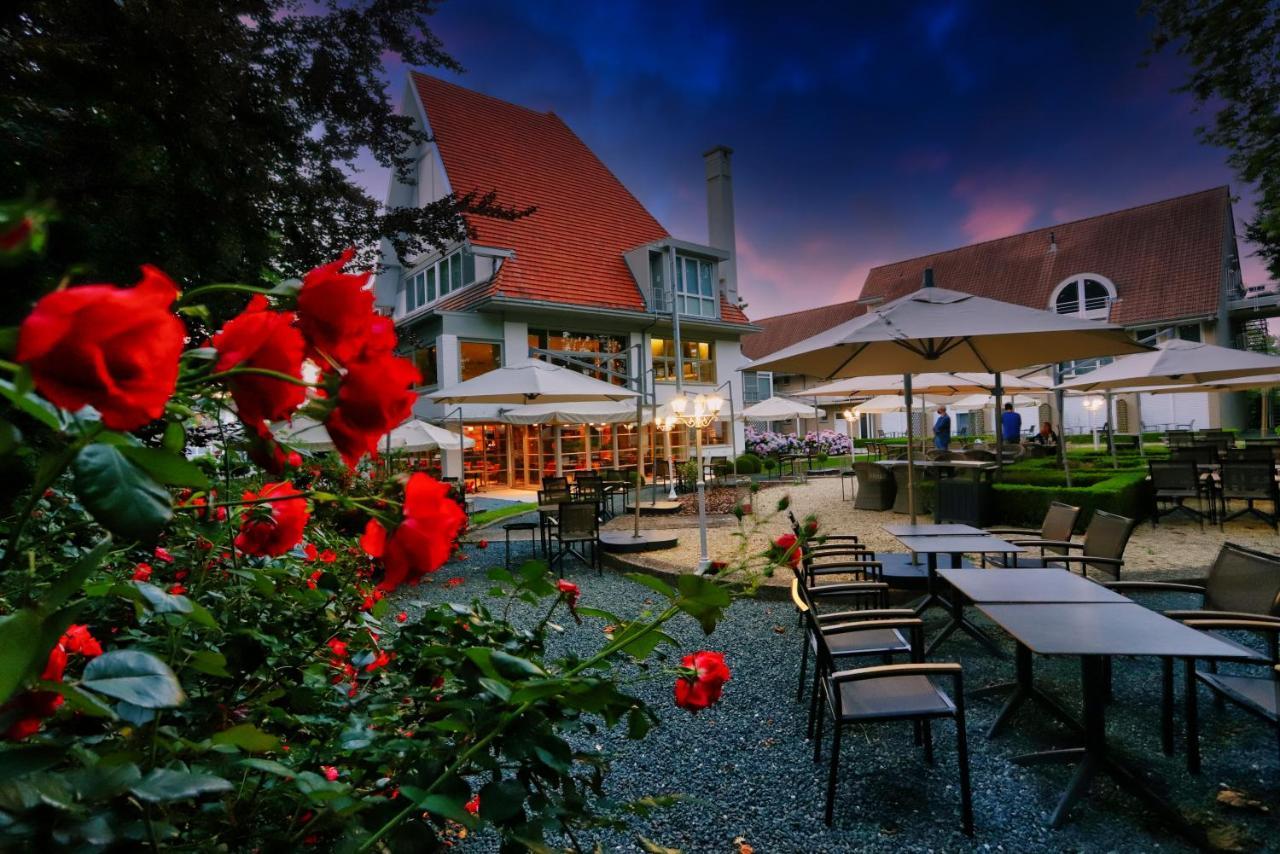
670	360
462	361
704	293
433	281
1082	309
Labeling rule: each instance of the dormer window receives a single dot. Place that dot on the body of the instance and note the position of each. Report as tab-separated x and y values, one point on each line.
1087	296
696	287
427	284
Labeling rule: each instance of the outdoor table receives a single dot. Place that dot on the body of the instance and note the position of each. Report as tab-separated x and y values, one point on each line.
1027	586
1094	632
949	529
955	546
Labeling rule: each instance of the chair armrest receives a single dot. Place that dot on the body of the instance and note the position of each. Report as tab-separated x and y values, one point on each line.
914	623
870	614
844	566
1238	625
851	587
1222	615
1064	544
822	538
940	668
1111	561
998	531
1155	586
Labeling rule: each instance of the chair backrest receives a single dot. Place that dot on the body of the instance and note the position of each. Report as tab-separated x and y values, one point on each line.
1250	453
1243	579
868	472
554	496
555	483
591	489
980	455
1200	454
938	455
1180	438
1106	536
577	520
1178	476
1059	521
1253	479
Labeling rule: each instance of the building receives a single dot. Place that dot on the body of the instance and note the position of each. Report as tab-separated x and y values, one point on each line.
589	275
1169	269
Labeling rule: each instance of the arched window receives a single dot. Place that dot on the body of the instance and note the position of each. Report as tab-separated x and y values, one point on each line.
1089	296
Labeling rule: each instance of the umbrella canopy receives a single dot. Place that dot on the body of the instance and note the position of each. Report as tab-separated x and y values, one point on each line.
1181	363
593	412
1238	384
980	401
779	408
897	403
933	382
413	436
938	329
531	381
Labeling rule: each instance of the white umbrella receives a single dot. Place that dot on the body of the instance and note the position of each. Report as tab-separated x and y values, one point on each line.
413	435
935	329
303	432
1184	363
531	381
778	408
593	412
938	383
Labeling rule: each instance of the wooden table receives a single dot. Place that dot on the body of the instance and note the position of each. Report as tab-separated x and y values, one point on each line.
1094	632
955	545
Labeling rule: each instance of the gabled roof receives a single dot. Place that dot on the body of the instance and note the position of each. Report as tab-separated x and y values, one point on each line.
787	329
570	249
1165	259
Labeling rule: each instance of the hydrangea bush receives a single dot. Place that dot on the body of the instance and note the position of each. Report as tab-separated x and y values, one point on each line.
766	443
199	641
829	442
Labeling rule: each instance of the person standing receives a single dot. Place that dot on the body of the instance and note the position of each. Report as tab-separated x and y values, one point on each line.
942	430
1011	423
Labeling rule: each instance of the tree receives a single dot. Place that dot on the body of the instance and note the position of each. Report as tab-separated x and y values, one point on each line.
1234	52
217	138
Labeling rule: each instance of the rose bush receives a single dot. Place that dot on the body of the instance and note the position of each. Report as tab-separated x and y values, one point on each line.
200	640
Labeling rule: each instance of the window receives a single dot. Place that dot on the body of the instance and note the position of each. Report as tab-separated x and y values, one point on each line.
1157	334
478	357
658	281
584	345
696	287
426	361
450	273
698	360
756	386
1084	296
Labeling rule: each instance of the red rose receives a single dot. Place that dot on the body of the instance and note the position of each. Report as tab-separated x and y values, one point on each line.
162	553
337	647
376	395
703	687
261	338
78	640
473	806
402	617
275	527
570	592
330	773
335	311
115	349
142	572
787	549
425	537
177	590
483	544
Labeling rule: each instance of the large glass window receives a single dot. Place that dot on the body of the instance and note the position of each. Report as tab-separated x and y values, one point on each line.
586	346
1084	297
478	357
450	273
698	360
756	386
428	365
696	287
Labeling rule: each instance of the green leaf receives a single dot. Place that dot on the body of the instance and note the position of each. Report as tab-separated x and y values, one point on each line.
79	700
174	438
638	724
120	496
643	646
247	737
655	584
38	408
600	614
165	785
135	677
20	649
159	602
513	667
496	688
103	781
269	766
210	662
167	468
441	805
10	438
501	800
19	761
356	736
73	579
703	599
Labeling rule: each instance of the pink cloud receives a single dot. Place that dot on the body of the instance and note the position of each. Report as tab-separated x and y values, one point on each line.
811	273
992	217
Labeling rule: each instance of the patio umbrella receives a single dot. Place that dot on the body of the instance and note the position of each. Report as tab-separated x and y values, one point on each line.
594	412
934	329
413	436
1183	363
778	408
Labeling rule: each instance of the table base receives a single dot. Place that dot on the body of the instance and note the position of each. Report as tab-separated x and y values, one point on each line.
1020	691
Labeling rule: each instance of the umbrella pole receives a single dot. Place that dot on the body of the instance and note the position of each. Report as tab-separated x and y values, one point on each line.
999	426
1111	432
911	462
1137	408
1060	399
639	459
559	460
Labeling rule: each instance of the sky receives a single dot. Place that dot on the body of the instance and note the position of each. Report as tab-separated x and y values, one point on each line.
863	133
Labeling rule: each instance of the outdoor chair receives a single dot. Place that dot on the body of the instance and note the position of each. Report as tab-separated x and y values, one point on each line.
593	489
1243	584
1179	438
981	455
939	455
1059	524
1250	482
1200	454
577	528
876	486
555	483
1250	454
887	692
549	501
1102	547
1172	483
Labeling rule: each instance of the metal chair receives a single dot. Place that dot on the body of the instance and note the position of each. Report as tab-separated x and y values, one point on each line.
1059	524
557	483
549	501
1102	548
577	527
876	486
1173	482
1243	584
1250	482
534	529
887	692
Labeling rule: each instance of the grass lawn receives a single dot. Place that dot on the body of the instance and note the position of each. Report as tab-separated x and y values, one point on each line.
487	517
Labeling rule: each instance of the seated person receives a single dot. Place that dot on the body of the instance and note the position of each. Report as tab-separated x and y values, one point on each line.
1046	436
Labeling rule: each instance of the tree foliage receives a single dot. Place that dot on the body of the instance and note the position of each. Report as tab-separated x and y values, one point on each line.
1234	52
222	136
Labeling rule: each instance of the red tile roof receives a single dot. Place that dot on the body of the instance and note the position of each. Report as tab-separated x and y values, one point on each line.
1164	258
787	329
570	249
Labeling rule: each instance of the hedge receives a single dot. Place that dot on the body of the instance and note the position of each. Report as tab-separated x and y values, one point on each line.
1024	504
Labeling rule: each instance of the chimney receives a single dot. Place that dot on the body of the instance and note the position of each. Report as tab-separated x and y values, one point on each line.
720	232
926	281
1053	242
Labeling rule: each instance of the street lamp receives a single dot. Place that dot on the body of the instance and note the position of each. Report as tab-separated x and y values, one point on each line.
850	416
704	409
666	424
1093	404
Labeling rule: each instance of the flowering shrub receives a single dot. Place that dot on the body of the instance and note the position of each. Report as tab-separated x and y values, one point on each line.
200	643
765	443
829	442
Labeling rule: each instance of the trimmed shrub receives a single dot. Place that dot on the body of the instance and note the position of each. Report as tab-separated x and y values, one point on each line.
1024	504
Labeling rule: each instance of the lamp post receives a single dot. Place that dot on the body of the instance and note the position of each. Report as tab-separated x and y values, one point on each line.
1093	404
704	410
849	417
666	424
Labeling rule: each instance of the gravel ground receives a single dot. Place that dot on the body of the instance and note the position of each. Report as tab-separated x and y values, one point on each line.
745	770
